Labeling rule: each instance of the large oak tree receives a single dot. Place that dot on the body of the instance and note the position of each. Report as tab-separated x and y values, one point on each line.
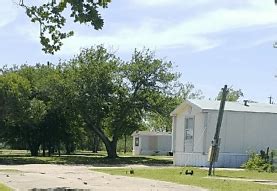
114	96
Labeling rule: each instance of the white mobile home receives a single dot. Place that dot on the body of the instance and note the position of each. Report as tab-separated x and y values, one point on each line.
151	143
245	128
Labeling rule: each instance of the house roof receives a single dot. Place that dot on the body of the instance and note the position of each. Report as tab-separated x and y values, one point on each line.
229	106
150	133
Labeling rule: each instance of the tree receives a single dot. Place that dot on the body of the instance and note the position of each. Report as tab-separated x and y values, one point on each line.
61	125
95	91
114	96
233	95
38	111
187	91
162	121
50	18
21	115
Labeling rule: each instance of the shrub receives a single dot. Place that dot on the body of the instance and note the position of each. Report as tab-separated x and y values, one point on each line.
261	163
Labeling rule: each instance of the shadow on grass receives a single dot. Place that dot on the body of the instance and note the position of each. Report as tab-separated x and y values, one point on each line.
10	160
83	159
230	176
58	189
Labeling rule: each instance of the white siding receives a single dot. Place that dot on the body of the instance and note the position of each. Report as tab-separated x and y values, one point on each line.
199	133
198	159
199	130
136	149
164	143
179	143
152	145
174	125
241	133
244	132
261	132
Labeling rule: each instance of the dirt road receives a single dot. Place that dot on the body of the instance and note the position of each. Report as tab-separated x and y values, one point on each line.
62	177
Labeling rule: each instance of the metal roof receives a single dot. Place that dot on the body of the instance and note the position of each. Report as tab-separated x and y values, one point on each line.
234	106
150	133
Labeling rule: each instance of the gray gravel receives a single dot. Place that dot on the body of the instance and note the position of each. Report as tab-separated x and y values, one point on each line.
63	177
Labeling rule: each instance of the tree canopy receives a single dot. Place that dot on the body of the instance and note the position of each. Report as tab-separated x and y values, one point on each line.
95	92
51	18
233	95
161	121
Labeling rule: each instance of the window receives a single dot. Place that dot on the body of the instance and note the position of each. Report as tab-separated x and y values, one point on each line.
136	141
189	124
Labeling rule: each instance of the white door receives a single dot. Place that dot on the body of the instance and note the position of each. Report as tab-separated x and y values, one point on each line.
188	135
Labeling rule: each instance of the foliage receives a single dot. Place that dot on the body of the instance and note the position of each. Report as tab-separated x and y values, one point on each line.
51	20
129	144
162	121
187	91
53	107
36	111
233	95
259	163
114	96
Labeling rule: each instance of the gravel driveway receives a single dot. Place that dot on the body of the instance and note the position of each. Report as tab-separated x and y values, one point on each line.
59	177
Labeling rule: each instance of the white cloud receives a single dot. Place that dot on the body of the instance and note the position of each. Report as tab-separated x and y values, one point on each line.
228	19
160	3
196	33
8	12
193	33
145	36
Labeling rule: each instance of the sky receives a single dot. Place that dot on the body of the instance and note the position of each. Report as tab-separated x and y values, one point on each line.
210	42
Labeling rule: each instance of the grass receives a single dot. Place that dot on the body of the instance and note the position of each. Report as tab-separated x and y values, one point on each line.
4	188
10	170
247	174
199	178
81	157
170	174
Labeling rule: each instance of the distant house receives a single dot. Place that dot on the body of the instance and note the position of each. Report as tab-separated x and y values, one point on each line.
151	143
245	129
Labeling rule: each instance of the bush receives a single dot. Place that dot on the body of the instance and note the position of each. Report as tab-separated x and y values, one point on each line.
259	163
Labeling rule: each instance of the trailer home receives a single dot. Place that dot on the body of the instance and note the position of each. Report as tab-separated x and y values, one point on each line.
246	128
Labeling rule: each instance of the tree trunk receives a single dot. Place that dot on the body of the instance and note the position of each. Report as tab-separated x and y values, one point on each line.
125	144
34	150
49	151
111	149
43	151
67	149
33	147
95	146
59	149
110	145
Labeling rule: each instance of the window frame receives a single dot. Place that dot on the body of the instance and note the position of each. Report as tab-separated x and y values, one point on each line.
137	141
186	129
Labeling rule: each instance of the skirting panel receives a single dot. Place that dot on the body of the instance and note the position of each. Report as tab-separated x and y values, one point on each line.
231	160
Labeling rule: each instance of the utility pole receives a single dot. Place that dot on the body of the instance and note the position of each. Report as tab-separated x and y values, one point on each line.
214	149
270	97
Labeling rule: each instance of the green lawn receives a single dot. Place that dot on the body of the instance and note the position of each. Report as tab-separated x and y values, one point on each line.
199	178
81	157
248	174
4	188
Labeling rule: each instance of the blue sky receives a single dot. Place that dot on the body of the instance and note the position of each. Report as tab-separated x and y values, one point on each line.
210	42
